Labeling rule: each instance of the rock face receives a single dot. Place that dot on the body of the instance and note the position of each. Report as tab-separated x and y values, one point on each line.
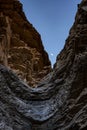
21	47
60	100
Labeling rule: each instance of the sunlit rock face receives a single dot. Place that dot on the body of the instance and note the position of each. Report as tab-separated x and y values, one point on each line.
21	47
60	100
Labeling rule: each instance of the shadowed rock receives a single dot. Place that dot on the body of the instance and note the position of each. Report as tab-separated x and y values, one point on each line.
60	100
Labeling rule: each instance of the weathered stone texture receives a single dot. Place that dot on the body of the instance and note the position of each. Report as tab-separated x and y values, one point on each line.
21	47
60	100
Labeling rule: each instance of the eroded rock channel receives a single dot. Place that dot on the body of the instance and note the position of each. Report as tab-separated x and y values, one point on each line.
60	101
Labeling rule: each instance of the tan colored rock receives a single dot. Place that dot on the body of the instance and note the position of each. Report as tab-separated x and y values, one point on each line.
21	47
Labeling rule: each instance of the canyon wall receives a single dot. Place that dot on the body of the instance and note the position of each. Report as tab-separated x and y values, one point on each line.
60	100
21	48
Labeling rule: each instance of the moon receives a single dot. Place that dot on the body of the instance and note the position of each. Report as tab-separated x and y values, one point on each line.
52	54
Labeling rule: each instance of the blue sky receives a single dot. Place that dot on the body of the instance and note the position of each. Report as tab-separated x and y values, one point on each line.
53	20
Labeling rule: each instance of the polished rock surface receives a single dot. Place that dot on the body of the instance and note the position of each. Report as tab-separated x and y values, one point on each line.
60	100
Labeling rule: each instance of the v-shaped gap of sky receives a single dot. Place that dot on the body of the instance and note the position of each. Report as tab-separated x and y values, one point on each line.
53	20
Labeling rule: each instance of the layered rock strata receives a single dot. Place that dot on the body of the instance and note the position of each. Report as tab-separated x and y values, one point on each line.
60	101
21	47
